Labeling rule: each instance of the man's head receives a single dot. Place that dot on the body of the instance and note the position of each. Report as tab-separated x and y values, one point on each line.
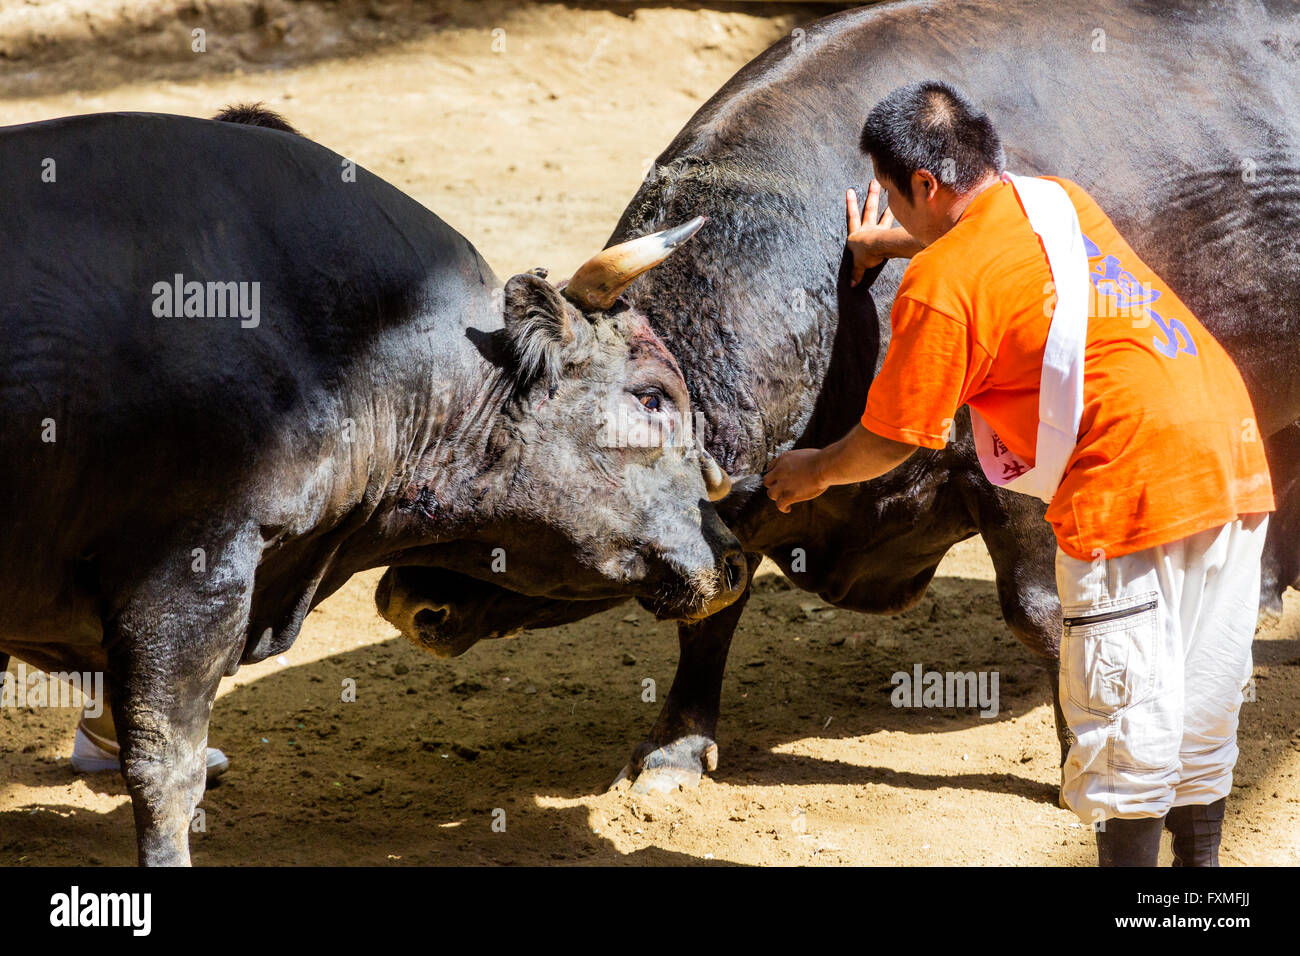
933	151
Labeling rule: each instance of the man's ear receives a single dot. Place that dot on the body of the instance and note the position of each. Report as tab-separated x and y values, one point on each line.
540	327
927	183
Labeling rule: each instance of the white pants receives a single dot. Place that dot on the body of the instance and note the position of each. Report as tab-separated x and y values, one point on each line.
1155	655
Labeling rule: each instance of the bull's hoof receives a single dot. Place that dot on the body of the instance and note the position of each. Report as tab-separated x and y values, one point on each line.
667	767
1270	614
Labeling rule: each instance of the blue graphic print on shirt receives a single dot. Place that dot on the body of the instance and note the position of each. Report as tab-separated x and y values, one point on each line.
1112	280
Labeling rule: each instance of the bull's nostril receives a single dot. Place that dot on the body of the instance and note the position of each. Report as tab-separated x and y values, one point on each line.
431	617
734	568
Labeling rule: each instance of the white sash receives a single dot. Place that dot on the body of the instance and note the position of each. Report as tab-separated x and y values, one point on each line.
1060	398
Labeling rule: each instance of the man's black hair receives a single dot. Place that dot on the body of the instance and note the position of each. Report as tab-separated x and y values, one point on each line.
930	125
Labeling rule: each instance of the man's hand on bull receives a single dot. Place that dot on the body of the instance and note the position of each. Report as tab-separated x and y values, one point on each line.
795	477
802	474
874	238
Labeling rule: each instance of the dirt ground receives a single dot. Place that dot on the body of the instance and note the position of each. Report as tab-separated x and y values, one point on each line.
530	140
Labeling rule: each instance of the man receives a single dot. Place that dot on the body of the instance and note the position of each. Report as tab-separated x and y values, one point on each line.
1093	387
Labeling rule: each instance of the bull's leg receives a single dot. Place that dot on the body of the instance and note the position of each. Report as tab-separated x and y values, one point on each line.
1023	550
681	745
1280	565
162	734
1064	735
167	651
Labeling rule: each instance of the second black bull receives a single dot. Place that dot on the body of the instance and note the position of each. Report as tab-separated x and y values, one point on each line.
1184	129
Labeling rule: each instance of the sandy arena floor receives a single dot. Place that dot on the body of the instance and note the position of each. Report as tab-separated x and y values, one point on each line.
531	151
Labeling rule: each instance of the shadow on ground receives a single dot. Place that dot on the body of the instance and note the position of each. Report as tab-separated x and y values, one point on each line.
431	753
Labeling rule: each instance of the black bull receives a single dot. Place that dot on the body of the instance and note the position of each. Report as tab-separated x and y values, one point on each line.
182	481
1181	120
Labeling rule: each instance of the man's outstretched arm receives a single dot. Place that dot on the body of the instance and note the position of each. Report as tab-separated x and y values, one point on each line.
804	473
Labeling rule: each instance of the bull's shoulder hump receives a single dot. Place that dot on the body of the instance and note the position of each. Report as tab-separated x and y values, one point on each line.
194	147
137	165
819	54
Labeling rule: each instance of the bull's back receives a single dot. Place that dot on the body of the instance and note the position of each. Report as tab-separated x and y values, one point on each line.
1178	119
123	416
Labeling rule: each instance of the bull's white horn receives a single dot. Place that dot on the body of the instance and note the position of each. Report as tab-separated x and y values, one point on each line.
597	284
716	481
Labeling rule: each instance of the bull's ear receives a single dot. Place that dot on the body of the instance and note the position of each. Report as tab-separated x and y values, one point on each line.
539	326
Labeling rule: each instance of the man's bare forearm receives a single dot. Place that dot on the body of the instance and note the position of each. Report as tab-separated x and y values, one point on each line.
900	246
860	456
802	474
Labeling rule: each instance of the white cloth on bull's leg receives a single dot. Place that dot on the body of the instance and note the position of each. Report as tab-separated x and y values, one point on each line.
1151	685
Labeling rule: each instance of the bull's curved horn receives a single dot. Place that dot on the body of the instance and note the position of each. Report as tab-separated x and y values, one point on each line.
601	278
716	481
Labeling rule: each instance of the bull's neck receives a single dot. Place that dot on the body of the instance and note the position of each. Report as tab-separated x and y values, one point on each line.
430	452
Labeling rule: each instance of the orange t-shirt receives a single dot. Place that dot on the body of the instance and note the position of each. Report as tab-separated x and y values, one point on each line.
1168	444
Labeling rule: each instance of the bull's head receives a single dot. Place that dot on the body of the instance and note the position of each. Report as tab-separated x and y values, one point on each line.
602	488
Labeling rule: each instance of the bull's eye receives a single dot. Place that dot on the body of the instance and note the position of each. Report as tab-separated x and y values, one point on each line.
651	401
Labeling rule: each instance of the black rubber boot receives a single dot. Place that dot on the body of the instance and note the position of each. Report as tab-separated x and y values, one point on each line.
1129	842
1197	831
